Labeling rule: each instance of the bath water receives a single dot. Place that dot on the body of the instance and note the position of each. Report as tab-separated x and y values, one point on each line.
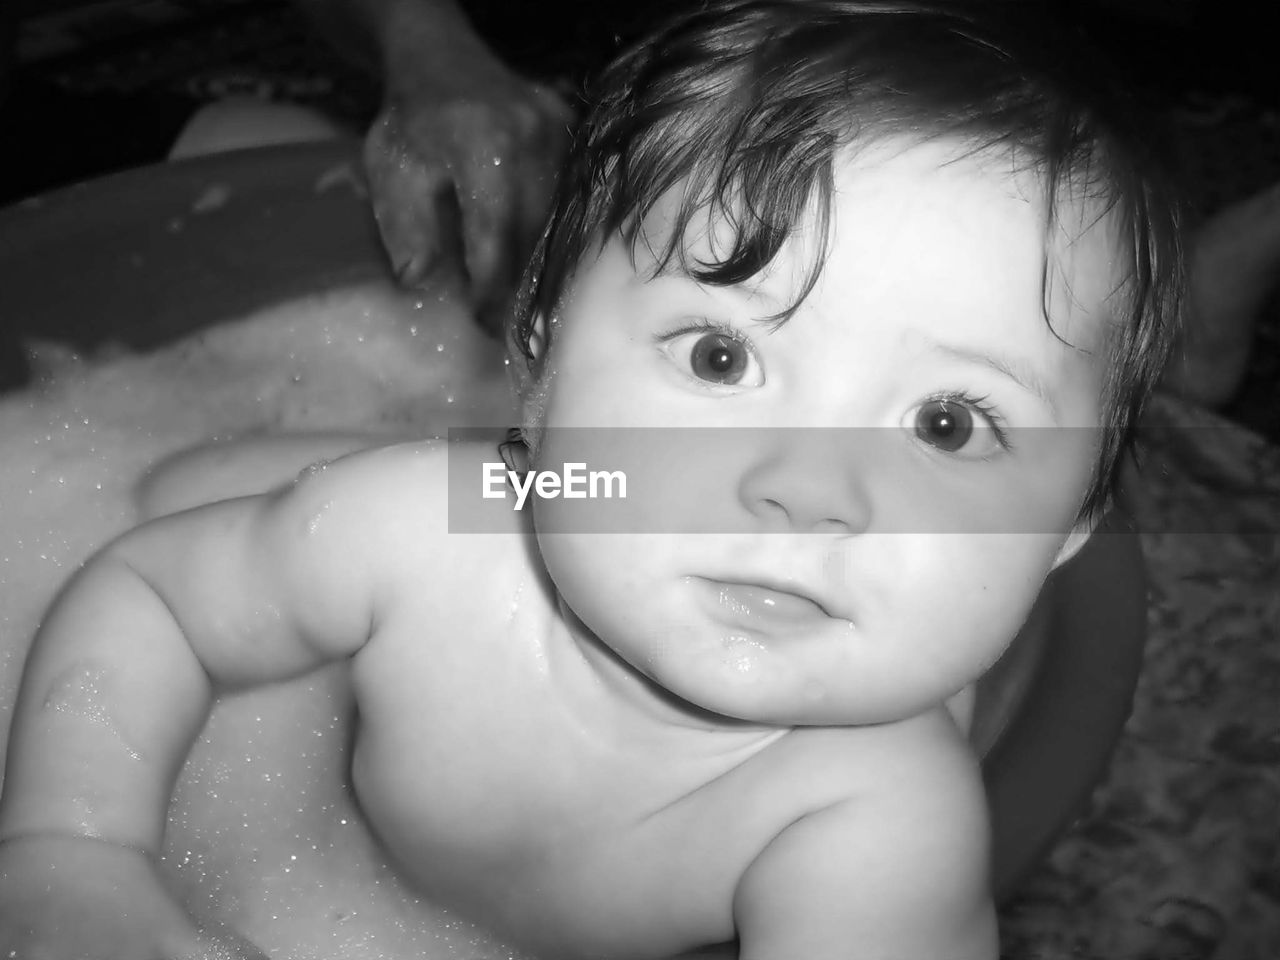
263	832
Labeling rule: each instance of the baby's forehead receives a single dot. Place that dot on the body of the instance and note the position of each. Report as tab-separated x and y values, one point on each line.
1067	241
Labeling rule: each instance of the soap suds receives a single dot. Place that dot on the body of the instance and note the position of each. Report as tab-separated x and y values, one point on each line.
263	834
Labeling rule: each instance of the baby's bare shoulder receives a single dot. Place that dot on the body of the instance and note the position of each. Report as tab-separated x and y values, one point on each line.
884	778
377	525
438	554
404	499
886	759
395	477
893	850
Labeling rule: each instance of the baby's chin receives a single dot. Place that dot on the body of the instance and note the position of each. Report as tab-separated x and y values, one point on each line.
743	690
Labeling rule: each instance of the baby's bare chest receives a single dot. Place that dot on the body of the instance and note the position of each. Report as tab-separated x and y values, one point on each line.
493	806
506	779
495	795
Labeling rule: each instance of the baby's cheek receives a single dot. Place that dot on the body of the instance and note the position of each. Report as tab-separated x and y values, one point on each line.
1010	572
974	584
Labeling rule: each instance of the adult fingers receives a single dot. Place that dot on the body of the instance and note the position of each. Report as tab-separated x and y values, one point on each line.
416	207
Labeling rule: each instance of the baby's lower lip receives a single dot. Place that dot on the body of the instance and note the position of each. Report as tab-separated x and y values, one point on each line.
754	604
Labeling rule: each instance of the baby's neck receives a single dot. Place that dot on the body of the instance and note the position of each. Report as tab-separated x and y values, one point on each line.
638	707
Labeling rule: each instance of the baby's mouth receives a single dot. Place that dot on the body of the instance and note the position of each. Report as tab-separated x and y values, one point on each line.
757	605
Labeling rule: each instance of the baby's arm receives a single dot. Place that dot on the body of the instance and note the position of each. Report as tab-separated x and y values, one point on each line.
901	872
121	675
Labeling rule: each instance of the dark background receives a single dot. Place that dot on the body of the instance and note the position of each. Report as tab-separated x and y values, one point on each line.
94	86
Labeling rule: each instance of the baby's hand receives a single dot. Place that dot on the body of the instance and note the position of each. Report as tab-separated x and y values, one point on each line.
72	897
461	169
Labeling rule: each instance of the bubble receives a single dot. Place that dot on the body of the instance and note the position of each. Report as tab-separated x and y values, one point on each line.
296	367
79	692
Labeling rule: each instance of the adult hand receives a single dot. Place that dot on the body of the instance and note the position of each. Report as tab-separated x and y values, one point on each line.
461	166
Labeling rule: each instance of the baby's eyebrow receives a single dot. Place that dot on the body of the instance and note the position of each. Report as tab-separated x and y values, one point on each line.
1020	373
748	292
745	294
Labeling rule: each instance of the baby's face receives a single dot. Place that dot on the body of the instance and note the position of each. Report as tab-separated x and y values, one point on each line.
878	561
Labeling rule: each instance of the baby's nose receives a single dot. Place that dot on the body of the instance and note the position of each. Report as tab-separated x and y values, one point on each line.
810	480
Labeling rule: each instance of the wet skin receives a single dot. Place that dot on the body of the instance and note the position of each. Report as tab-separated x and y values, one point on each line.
637	744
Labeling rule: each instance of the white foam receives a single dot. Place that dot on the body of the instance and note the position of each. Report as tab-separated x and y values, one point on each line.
263	832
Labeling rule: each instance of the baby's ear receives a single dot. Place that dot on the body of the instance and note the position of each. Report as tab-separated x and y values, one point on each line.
536	383
526	359
538	338
1076	539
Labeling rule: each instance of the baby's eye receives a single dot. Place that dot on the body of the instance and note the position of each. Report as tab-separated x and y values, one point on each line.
715	356
718	358
953	425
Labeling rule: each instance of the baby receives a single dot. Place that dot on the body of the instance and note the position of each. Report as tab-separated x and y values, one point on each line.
711	708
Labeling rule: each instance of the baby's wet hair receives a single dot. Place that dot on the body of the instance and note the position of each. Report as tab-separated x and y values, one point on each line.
743	105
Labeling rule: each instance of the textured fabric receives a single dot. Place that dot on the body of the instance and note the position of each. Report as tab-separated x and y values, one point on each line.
1179	853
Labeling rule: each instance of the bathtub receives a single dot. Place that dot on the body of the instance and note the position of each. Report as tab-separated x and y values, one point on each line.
263	832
